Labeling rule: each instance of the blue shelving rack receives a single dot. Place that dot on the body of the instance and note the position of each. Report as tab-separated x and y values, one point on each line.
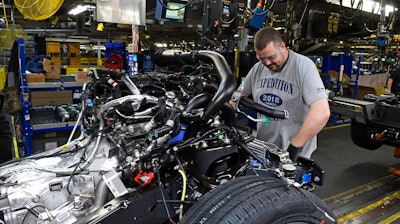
357	76
28	129
334	63
24	97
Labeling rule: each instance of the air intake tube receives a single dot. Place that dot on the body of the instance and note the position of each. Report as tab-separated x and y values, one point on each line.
227	81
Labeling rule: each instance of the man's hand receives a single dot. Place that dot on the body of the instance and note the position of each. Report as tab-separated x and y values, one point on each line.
293	152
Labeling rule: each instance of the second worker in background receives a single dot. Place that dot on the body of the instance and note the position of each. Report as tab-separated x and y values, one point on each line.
393	82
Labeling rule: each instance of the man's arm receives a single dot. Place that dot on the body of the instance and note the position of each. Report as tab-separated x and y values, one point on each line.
315	120
389	85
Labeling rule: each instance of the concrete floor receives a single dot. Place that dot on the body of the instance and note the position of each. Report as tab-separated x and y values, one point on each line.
354	176
347	165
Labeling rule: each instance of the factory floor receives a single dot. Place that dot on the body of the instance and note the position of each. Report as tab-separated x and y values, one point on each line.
358	185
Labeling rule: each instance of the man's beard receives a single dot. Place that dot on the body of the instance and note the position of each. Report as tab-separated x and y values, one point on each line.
274	67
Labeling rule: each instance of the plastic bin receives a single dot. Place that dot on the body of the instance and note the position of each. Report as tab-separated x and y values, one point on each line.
118	48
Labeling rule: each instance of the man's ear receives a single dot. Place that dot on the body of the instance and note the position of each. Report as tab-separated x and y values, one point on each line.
283	45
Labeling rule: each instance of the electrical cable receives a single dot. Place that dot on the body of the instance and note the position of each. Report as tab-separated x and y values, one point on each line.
357	10
316	206
272	4
78	119
367	29
76	167
163	198
5	15
31	210
302	15
264	12
183	195
227	22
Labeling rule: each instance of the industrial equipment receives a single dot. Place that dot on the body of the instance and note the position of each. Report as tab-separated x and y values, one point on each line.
163	147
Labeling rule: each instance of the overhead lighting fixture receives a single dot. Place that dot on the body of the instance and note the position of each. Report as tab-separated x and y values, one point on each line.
80	8
160	45
371	6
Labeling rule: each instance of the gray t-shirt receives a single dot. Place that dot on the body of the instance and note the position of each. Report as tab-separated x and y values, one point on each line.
293	89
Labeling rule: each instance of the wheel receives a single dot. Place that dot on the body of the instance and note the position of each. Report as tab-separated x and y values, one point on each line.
256	200
361	136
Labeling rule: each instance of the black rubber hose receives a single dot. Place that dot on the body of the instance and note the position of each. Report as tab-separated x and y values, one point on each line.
198	101
228	114
174	116
162	112
248	103
165	57
211	87
227	81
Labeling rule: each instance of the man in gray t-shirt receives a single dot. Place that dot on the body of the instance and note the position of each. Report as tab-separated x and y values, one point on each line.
285	80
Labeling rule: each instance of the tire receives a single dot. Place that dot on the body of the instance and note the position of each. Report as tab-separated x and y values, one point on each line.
258	200
361	136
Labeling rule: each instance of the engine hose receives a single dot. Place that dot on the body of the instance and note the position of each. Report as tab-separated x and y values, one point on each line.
228	114
226	78
129	98
158	117
94	73
117	92
196	102
165	57
174	114
246	102
131	86
159	132
169	126
162	110
212	87
176	129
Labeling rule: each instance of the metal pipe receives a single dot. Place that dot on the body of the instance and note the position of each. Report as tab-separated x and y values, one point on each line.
131	86
101	196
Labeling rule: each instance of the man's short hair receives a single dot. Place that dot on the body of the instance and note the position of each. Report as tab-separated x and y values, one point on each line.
266	35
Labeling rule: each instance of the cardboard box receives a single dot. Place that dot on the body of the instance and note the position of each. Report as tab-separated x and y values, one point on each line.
52	70
35	78
51	97
54	101
50	140
52	94
369	84
361	91
82	77
74	61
